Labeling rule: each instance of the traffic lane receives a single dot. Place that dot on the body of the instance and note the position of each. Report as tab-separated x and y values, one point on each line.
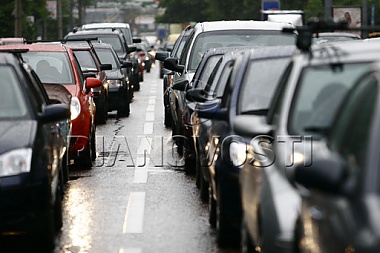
122	205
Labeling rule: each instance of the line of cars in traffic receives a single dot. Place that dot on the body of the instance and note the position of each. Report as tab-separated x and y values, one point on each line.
282	139
54	93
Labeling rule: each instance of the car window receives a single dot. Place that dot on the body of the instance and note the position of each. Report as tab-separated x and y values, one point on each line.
222	82
51	67
233	38
79	71
357	113
206	71
319	93
85	59
186	48
114	41
12	102
275	105
107	57
259	83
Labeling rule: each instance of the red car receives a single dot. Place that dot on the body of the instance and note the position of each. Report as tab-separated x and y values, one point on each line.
56	64
91	66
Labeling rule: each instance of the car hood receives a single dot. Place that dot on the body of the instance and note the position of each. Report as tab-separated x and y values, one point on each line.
114	74
16	134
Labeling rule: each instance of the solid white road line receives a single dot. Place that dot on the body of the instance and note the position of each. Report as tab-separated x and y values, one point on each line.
134	217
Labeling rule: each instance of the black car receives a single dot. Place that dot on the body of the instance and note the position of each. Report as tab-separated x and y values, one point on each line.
32	147
340	191
248	91
118	88
167	75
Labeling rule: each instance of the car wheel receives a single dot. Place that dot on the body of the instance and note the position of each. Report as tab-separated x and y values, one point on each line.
223	229
203	187
86	155
124	107
101	112
65	168
136	83
46	235
212	208
246	241
58	220
93	144
168	118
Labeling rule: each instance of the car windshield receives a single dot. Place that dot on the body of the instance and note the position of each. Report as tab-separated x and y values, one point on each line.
86	60
51	67
12	103
107	57
320	91
235	38
259	84
206	71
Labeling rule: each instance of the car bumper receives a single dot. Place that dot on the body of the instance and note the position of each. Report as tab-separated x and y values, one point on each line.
24	201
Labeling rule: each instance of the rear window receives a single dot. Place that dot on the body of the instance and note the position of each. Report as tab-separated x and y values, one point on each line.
107	57
86	60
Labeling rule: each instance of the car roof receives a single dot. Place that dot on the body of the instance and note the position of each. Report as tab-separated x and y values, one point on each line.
240	25
94	32
105	25
58	47
272	51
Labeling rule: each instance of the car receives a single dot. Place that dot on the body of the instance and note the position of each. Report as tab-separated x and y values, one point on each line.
144	56
114	38
91	66
214	34
130	41
12	40
167	46
334	36
168	75
304	106
32	150
340	189
248	91
56	63
118	88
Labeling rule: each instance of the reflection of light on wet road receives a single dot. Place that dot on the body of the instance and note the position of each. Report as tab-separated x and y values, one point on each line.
79	212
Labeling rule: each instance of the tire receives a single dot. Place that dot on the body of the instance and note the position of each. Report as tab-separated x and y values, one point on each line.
65	168
211	209
168	118
124	107
58	219
46	235
86	155
203	188
189	165
246	242
224	237
101	112
136	82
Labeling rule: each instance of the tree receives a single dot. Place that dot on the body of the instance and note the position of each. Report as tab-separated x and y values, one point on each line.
183	11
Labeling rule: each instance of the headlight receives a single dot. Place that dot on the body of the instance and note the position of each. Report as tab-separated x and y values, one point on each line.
296	158
238	153
75	108
15	162
115	83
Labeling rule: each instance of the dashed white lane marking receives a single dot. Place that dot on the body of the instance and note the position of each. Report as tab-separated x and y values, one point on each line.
145	145
152	100
153	91
148	128
150	108
134	217
130	250
149	116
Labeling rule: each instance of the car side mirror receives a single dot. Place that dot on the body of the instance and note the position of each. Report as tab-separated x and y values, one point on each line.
196	95
162	55
126	64
252	125
327	175
91	83
106	67
136	40
55	112
131	49
172	64
181	85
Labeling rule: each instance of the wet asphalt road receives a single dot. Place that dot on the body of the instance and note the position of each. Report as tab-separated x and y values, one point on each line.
128	204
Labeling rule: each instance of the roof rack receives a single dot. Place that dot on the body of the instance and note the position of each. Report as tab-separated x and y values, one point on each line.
315	26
